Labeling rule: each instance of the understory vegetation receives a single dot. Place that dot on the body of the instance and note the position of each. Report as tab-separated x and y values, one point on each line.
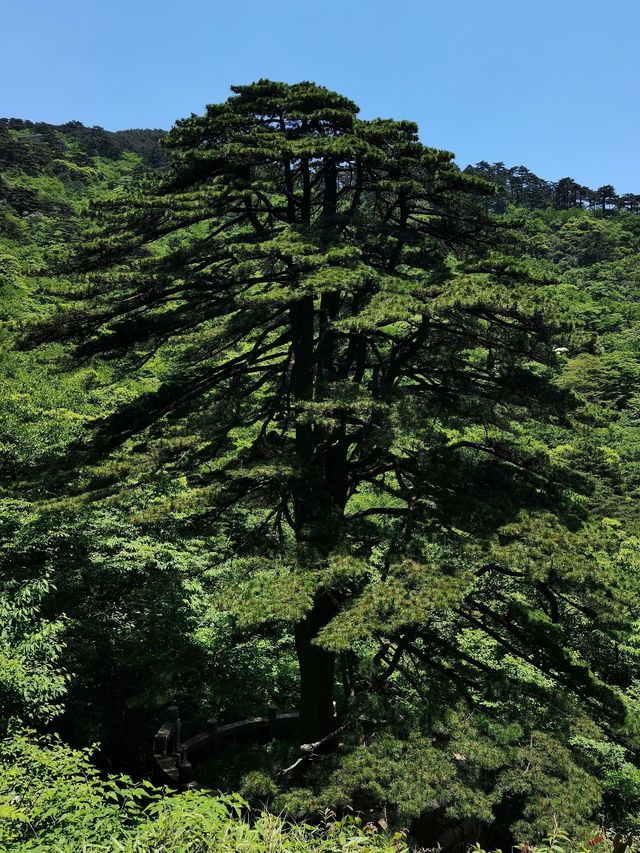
294	411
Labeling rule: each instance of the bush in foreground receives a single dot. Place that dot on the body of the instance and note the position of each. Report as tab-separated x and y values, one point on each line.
53	799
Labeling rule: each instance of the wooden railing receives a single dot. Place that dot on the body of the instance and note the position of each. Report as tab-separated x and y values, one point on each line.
174	757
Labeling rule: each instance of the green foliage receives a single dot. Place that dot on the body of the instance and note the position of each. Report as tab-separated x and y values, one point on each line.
296	409
32	680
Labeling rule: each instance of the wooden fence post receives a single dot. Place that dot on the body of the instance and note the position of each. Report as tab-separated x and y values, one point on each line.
185	769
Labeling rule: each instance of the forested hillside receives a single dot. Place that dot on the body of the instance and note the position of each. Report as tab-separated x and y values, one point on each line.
296	412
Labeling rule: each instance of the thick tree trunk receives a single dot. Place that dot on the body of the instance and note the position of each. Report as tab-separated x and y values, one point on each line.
323	476
317	674
316	666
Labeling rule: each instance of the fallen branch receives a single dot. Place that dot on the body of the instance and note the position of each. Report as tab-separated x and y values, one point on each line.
310	750
312	747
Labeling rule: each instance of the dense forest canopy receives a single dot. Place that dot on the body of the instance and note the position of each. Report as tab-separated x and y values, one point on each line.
298	412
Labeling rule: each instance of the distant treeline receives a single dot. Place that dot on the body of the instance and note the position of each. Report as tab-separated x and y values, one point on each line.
92	141
525	189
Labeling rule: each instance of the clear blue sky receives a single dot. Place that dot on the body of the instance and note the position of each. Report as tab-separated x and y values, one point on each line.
551	84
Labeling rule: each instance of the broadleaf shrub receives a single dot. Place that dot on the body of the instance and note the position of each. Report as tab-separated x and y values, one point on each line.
52	798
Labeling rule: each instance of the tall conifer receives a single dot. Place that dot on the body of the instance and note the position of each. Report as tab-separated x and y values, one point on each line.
337	348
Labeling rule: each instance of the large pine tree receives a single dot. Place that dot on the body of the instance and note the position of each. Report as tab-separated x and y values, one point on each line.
325	338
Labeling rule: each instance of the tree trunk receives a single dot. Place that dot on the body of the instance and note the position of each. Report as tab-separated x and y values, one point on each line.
310	505
323	479
317	673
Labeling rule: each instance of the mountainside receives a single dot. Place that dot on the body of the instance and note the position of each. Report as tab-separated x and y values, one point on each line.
485	635
49	176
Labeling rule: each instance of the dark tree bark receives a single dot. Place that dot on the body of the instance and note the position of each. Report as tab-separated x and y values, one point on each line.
317	672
